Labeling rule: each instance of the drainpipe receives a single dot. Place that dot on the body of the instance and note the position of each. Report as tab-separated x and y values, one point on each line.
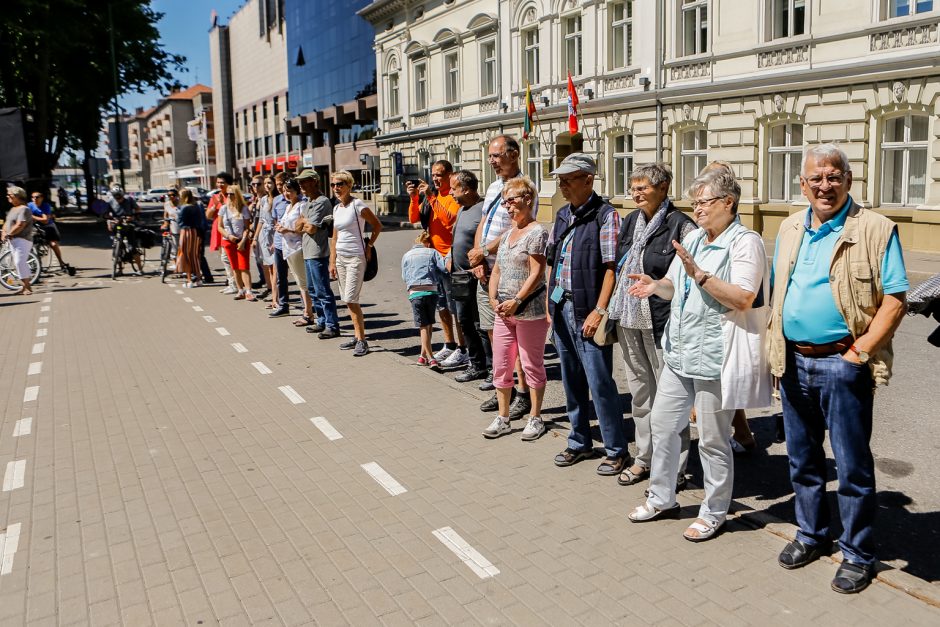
658	72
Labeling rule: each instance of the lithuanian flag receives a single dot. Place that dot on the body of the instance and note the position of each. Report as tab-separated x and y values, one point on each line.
529	112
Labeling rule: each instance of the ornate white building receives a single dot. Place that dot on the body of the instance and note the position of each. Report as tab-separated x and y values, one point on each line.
751	82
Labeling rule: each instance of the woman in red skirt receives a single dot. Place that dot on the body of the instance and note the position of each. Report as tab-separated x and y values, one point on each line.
234	219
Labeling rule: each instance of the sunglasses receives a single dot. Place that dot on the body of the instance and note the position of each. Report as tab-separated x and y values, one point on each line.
340	184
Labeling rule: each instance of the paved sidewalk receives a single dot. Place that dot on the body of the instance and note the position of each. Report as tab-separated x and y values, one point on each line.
167	481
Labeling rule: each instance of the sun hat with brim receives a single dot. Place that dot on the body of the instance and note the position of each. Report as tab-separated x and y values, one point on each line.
576	162
309	173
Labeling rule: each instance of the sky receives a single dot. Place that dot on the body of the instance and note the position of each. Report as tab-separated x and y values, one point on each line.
184	30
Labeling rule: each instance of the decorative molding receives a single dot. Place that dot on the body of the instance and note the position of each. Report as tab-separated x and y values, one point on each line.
698	69
619	82
420	119
779	103
489	105
783	56
898	90
452	113
905	37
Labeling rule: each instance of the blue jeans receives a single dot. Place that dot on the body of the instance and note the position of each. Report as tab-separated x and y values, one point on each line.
830	392
318	286
587	373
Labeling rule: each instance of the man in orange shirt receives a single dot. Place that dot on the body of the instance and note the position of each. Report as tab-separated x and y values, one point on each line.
437	214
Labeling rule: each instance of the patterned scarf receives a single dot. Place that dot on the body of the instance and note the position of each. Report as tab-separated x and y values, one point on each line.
632	312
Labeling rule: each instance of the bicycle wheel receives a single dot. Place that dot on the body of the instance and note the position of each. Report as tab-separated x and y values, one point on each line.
35	266
117	254
8	277
164	259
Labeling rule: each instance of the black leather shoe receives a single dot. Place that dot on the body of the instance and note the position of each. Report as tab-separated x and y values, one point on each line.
492	403
472	373
797	554
315	328
521	406
279	312
851	578
328	333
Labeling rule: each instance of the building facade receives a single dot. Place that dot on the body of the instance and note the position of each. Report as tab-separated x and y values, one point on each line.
176	154
682	81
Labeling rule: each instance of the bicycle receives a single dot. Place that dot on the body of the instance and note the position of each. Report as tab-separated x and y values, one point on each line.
166	250
9	277
125	248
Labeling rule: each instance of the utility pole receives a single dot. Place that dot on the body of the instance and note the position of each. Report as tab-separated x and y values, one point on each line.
117	109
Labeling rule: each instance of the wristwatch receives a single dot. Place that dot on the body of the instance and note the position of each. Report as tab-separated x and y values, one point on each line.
705	277
600	311
862	355
518	300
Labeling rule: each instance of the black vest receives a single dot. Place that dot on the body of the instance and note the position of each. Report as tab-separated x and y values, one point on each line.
656	257
587	267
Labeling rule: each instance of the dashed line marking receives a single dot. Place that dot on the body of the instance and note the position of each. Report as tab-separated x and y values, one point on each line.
239	347
43	320
222	331
44	308
38	348
326	428
260	367
47	299
178	291
31	393
42	332
34	368
9	542
197	308
292	395
23	426
208	318
384	479
187	299
467	554
14	476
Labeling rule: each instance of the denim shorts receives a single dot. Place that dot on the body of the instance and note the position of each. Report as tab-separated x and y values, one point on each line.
422	309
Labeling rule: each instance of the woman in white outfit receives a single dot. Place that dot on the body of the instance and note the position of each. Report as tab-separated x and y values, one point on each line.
18	230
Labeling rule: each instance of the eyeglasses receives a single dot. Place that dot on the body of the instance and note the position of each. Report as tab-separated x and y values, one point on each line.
337	184
834	180
640	189
511	200
705	201
497	155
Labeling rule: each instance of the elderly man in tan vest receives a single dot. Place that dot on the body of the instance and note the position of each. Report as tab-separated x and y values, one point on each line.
839	285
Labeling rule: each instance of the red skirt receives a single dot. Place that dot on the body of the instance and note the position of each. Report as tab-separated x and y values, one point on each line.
238	258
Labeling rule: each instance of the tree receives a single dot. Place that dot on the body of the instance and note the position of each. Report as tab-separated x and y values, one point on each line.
55	60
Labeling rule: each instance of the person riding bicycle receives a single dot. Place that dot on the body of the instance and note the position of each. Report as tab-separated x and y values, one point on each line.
123	208
44	217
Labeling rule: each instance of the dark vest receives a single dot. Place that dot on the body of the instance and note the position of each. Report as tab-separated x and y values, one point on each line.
587	267
656	258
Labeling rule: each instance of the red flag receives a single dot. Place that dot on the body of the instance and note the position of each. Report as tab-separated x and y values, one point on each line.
572	106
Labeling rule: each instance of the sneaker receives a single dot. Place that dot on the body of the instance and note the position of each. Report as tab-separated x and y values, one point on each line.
443	354
187	286
487	384
434	364
497	428
472	373
230	290
534	429
490	404
349	344
329	333
280	312
422	361
520	406
316	327
457	358
362	348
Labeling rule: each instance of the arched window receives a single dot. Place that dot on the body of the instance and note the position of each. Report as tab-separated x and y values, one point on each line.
455	156
622	156
904	160
693	155
785	152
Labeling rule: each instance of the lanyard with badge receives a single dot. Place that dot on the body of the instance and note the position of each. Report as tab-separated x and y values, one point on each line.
490	216
559	292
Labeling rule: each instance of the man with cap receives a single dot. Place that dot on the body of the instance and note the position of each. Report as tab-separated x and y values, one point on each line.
120	207
582	252
316	217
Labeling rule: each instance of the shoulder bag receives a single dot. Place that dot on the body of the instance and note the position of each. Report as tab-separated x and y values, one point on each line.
372	261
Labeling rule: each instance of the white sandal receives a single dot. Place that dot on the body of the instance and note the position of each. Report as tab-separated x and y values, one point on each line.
646	513
704	530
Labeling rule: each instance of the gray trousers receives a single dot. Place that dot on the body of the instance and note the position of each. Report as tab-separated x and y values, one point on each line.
644	363
670	415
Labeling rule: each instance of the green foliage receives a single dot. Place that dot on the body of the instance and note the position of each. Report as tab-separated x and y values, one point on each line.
55	59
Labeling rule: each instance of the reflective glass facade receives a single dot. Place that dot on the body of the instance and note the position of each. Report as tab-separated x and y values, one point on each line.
329	53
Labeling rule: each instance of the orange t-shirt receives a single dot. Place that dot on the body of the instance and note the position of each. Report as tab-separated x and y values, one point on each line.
444	211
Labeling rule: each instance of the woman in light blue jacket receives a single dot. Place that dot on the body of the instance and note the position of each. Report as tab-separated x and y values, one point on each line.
717	274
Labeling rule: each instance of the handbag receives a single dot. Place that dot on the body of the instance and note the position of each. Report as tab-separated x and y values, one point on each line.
606	333
461	285
372	262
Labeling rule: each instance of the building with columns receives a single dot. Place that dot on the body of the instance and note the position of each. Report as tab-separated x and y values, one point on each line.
682	81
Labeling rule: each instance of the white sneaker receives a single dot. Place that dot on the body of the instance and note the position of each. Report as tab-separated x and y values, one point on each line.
533	429
497	428
459	357
231	289
443	354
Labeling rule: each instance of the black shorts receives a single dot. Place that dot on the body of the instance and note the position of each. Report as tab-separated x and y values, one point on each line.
52	233
422	309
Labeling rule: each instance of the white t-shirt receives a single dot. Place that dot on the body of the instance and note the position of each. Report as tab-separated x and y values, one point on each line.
232	222
291	242
172	214
350	228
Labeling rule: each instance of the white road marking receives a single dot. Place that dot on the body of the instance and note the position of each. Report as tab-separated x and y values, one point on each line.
384	479
187	299
178	291
326	428
43	320
44	308
467	554
31	393
260	367
38	348
239	347
34	368
41	332
13	478
222	331
9	541
23	426
197	308
208	318
47	299
292	395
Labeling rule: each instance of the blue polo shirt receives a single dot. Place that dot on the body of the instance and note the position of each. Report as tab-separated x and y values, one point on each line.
45	209
810	314
278	208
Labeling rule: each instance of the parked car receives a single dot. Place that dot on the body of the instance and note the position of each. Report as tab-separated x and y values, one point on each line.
157	194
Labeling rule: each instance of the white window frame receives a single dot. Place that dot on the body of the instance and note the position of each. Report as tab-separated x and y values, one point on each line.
533	162
624	24
576	65
789	29
424	164
905	148
621	186
451	77
488	73
698	152
420	85
695	9
788	149
530	55
394	88
890	6
455	156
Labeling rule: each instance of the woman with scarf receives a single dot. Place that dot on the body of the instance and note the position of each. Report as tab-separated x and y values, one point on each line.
644	246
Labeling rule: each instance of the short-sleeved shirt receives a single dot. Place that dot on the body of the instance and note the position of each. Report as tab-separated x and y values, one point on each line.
191	217
291	242
232	221
464	233
21	214
172	213
278	209
350	228
513	261
495	217
45	209
317	246
809	311
126	207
